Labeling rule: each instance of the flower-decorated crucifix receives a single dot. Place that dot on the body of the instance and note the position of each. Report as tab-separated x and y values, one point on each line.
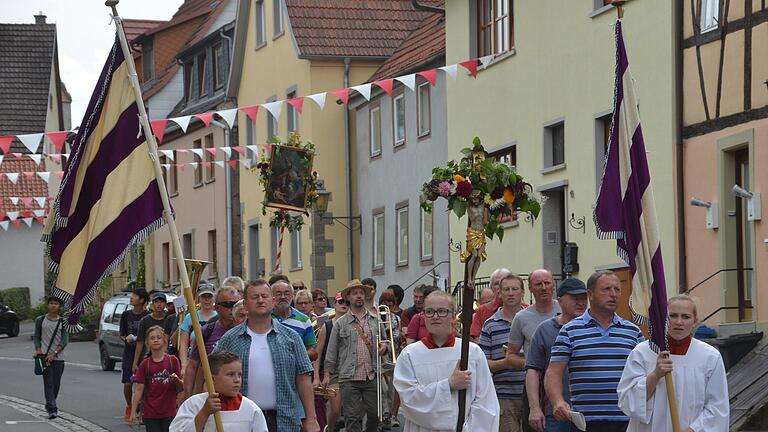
487	192
290	184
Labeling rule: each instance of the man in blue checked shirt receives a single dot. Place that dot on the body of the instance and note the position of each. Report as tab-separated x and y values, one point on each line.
594	347
279	381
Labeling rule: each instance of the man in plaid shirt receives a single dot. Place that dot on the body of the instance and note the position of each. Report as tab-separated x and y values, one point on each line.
279	382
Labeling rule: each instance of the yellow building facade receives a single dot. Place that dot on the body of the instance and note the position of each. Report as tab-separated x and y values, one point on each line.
543	105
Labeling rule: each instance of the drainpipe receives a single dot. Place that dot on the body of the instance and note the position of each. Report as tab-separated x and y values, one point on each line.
229	44
227	188
682	271
347	155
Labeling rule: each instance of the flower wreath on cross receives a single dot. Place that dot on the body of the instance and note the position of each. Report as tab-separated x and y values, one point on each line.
290	185
488	190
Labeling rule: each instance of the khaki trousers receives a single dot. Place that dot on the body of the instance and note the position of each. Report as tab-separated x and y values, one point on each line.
511	419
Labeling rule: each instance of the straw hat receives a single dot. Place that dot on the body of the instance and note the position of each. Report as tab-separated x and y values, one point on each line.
355	283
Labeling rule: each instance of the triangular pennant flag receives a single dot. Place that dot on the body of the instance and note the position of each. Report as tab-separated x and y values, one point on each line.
41	220
430	75
251	111
4	225
342	94
182	150
319	99
385	85
158	128
193	164
408	81
58	139
470	66
13	177
13	215
16	223
14	200
183	122
267	147
220	164
239	149
229	116
486	60
246	163
28	221
39	213
31	141
181	166
55	157
364	89
26	213
65	155
254	150
27	201
29	174
40	201
45	175
206	118
167	167
211	150
297	103
36	157
2	215
227	151
60	174
5	143
450	70
169	154
207	164
198	152
232	164
274	108
16	155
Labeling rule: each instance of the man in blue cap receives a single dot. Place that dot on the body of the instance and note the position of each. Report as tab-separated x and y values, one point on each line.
572	296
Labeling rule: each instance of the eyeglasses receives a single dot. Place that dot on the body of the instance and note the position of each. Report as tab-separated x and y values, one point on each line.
442	313
227	304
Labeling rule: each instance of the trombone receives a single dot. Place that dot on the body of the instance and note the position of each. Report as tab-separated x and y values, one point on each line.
386	321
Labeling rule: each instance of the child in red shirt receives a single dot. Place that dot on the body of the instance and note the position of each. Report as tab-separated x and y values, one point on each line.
157	374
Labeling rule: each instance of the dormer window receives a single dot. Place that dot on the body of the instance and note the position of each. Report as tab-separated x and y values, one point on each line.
202	72
148	60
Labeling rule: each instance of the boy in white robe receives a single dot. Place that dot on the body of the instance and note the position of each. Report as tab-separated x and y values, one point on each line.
698	374
428	379
238	413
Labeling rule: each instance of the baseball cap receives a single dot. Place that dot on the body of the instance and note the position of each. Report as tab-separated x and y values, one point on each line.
571	286
205	288
157	295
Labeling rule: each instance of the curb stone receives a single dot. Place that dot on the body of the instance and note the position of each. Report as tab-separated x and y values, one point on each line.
66	421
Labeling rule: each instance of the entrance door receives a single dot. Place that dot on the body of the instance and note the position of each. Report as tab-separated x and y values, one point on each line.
742	237
553	230
626	292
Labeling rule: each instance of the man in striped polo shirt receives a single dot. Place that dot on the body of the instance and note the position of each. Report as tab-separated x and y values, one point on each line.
494	335
288	316
594	347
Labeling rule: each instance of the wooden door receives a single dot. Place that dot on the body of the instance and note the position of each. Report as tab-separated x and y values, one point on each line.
626	291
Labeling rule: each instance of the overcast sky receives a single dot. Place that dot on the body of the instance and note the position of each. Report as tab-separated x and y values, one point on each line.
85	35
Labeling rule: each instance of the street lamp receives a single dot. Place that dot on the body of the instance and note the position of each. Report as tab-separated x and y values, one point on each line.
321	206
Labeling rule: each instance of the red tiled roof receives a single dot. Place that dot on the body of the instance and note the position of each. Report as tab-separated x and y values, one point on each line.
24	187
346	28
135	27
423	45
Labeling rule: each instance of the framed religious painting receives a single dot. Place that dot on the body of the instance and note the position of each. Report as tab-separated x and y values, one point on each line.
290	179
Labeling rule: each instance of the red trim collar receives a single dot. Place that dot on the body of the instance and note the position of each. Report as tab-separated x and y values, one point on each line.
231	403
430	344
679	347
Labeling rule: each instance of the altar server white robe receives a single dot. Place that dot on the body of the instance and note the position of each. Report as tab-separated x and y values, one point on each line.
700	385
248	418
427	401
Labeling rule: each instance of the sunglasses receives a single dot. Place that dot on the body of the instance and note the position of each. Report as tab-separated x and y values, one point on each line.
227	304
344	302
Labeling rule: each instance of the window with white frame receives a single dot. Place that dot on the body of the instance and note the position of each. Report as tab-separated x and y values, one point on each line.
277	17
296	250
398	119
378	241
219	66
261	33
375	130
424	115
426	234
710	15
401	247
495	27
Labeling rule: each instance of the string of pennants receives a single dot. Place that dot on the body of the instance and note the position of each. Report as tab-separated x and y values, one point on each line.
32	141
15	218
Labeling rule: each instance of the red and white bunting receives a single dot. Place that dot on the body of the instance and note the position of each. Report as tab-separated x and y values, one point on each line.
58	139
40	201
13	177
385	85
183	122
408	81
229	116
274	108
450	70
4	225
342	94
28	221
251	111
158	128
364	90
169	154
319	99
45	175
205	118
429	75
31	141
5	143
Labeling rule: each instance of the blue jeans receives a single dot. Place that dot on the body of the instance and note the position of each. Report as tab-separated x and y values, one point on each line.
552	425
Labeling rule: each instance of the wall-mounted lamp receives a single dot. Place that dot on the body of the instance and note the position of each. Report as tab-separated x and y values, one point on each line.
754	211
712	218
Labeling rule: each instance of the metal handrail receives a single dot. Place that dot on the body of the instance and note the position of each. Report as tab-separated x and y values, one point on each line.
422	276
688	291
721	308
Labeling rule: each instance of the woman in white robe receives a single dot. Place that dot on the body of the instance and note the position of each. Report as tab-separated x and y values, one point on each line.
425	375
697	372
